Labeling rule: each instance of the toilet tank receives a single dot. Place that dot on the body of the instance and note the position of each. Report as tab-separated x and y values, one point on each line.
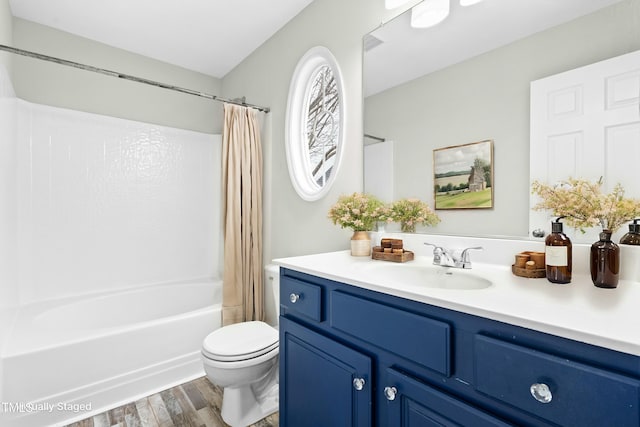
271	294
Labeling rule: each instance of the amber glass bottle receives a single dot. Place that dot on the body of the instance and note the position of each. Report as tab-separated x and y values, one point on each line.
633	236
605	261
558	255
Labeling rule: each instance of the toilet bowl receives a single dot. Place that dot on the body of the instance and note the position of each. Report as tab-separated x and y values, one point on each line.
243	360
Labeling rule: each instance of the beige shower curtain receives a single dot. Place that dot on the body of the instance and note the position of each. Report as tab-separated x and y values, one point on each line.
242	296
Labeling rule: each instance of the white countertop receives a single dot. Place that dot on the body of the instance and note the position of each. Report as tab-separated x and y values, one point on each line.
579	311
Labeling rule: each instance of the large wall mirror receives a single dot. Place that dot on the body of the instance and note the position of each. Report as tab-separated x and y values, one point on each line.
467	79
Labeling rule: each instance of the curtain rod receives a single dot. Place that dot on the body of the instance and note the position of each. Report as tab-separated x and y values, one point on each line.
128	77
377	138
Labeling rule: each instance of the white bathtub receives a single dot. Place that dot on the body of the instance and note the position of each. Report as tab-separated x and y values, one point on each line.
83	355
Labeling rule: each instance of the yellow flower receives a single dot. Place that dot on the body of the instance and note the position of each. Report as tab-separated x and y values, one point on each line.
357	211
584	205
410	212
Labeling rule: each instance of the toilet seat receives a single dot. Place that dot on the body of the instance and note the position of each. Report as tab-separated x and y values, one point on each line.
240	341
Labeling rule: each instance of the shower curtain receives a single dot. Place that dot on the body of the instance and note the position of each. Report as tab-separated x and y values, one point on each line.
242	298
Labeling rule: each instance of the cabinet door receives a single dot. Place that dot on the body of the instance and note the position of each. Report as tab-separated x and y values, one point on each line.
586	123
412	403
322	383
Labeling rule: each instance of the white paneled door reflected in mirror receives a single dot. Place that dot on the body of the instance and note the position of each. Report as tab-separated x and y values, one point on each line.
586	123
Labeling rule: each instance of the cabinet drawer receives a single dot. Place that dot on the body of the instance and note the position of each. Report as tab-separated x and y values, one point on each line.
417	338
580	395
301	298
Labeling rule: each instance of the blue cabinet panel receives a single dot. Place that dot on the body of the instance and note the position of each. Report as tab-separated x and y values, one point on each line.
581	395
317	381
417	338
417	404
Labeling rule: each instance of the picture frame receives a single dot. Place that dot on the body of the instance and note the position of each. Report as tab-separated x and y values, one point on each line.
463	176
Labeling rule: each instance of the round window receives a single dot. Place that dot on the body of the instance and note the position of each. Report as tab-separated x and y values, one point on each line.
315	113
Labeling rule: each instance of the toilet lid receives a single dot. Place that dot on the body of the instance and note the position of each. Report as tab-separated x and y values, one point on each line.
240	341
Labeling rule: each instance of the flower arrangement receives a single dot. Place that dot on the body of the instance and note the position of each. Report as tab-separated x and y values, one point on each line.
583	204
357	211
411	212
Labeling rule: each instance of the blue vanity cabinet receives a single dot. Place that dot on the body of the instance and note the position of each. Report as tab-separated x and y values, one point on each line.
354	357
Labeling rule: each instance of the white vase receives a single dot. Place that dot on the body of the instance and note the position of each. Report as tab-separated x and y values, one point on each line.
360	243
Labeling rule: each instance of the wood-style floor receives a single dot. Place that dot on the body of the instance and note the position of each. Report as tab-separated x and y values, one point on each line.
193	404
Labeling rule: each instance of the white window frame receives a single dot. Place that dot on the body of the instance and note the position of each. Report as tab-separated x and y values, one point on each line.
297	110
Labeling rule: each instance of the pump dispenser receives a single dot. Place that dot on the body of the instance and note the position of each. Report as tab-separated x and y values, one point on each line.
633	236
558	254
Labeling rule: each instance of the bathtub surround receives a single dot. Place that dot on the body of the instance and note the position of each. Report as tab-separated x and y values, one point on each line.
110	224
8	194
242	194
8	215
107	203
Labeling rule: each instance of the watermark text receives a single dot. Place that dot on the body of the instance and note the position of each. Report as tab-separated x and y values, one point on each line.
28	407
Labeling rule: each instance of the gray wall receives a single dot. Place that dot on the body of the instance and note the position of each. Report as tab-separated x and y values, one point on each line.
487	97
294	226
6	32
61	86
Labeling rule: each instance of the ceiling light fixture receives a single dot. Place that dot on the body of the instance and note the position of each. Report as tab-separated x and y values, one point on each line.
392	4
429	13
469	2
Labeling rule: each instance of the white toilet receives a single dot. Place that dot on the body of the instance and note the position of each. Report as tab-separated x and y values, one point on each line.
243	360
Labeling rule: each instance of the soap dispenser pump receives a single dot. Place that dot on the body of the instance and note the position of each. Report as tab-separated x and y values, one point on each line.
633	236
558	250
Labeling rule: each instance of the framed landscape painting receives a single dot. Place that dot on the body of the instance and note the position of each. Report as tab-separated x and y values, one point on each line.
463	176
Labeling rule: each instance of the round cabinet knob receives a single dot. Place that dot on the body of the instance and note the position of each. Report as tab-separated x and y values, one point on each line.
358	383
390	393
541	392
294	298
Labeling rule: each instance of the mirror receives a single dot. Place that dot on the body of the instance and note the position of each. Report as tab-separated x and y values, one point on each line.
466	80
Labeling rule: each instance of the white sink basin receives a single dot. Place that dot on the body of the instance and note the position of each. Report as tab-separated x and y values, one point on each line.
424	276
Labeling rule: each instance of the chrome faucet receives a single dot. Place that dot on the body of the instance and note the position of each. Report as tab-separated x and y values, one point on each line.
448	258
442	256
